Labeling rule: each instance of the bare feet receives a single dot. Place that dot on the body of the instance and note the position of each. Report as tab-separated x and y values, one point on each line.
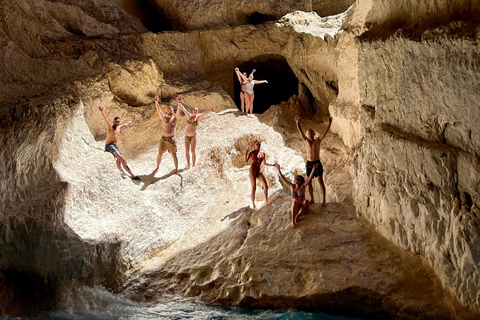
254	207
175	171
324	204
155	171
293	225
267	203
187	167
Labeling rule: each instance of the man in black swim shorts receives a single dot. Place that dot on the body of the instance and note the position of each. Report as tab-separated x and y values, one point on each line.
313	156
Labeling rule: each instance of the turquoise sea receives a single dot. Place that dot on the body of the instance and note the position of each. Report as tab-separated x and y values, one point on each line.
100	304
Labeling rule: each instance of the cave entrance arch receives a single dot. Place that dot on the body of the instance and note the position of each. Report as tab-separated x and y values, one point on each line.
282	82
148	12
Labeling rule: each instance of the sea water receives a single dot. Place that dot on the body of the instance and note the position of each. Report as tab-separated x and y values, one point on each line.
94	303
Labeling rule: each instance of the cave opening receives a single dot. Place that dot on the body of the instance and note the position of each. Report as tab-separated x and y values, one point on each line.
468	200
149	14
311	103
259	18
282	82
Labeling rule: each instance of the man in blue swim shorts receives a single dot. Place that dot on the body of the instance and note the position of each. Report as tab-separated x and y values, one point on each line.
113	134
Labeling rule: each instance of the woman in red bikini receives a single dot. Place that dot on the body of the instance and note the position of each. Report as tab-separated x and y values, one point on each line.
300	205
191	132
257	159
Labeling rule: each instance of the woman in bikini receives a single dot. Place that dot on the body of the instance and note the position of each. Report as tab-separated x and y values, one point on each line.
300	205
191	132
257	159
242	88
249	95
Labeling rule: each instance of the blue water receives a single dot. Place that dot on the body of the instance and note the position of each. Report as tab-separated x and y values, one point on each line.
92	304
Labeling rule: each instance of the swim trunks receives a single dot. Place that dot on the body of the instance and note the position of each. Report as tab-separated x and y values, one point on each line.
112	148
318	171
168	144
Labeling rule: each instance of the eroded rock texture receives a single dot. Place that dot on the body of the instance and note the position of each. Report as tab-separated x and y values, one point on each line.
416	168
401	80
326	263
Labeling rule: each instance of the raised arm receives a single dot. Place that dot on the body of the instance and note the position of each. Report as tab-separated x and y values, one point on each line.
237	71
260	81
179	106
297	120
239	74
125	125
288	183
310	177
328	128
107	123
160	113
200	117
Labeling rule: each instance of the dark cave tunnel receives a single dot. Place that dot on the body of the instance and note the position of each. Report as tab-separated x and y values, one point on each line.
282	82
149	14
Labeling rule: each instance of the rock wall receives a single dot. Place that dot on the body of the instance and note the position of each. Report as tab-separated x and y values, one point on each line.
416	173
382	17
40	253
327	8
209	13
325	264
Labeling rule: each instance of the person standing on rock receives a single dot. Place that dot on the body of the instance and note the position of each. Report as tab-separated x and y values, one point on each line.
257	160
243	86
167	142
113	134
249	94
191	132
300	205
313	157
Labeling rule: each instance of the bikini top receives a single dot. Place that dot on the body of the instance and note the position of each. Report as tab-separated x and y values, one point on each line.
301	194
260	156
193	123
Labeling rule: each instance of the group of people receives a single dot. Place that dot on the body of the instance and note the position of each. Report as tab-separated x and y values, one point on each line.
246	90
167	142
314	168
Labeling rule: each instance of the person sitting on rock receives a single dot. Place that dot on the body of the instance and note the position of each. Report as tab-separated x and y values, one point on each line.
313	157
113	134
191	132
167	142
243	86
300	205
257	160
249	94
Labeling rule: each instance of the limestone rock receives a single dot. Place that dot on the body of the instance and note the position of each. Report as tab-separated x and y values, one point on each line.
326	263
210	13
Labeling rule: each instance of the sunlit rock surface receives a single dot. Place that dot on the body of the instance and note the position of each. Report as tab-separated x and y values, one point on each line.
331	262
416	169
400	79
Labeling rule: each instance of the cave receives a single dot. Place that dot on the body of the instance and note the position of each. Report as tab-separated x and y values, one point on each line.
149	14
282	82
311	103
397	238
259	18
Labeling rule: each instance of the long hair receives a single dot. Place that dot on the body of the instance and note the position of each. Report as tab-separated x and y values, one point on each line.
301	178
